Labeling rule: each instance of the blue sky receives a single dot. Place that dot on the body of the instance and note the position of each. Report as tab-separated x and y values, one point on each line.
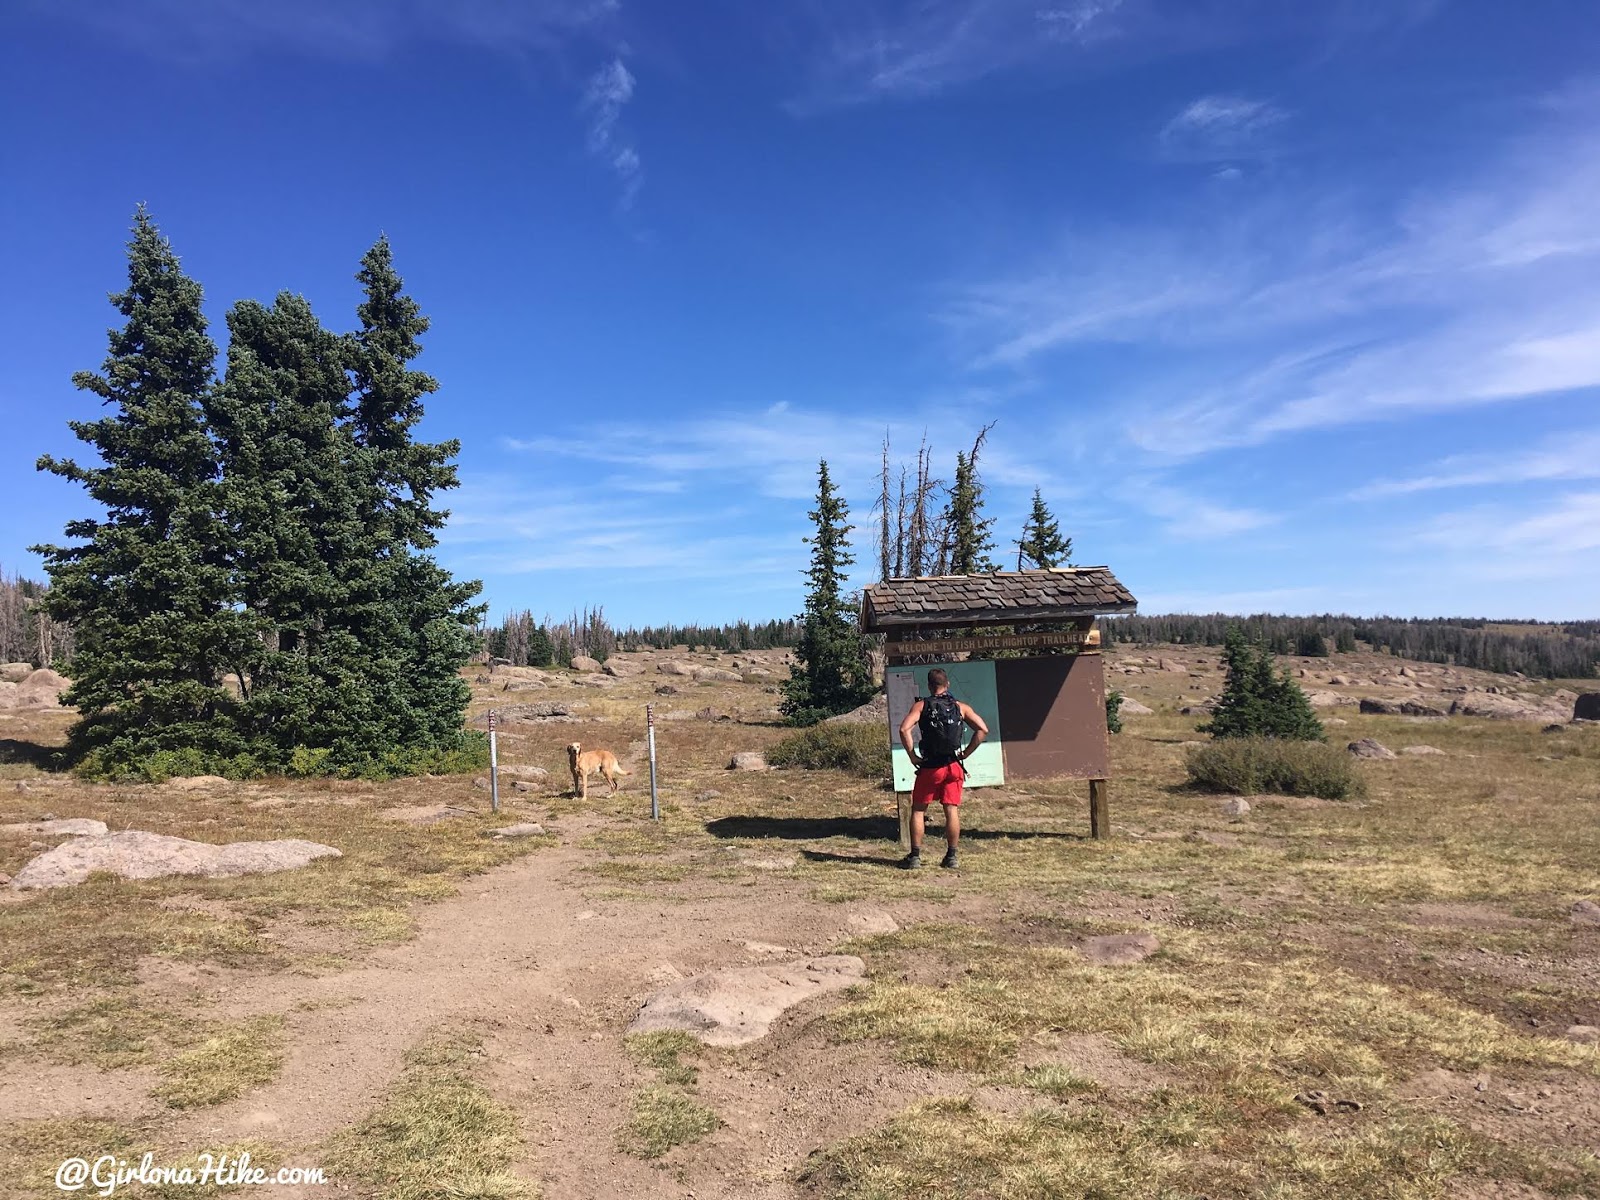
1284	306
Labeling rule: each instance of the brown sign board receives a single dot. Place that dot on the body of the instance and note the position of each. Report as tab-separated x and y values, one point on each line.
1076	639
1053	712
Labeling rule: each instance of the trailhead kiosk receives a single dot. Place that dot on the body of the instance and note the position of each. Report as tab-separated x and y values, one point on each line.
1046	710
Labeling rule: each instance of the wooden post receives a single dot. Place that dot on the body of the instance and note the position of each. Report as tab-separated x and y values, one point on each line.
1099	809
903	802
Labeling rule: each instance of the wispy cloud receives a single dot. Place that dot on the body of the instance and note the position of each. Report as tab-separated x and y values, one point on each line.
360	29
1567	457
1185	514
1310	313
871	50
1221	127
1548	536
608	92
875	51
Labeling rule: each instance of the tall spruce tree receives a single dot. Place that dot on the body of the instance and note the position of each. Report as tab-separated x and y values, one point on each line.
1042	544
300	542
967	531
831	673
145	589
417	616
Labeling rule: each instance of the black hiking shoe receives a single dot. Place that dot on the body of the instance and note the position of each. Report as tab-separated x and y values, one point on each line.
911	861
951	860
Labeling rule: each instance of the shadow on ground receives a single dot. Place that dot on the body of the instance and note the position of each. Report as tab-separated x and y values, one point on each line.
863	829
30	754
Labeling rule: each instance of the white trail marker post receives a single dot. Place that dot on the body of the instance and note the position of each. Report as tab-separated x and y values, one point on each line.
494	767
650	726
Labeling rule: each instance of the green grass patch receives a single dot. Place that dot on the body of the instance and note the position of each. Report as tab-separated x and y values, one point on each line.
1253	765
664	1051
859	748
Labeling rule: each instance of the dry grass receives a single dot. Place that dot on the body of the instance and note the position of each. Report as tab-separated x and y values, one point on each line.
438	1135
664	1118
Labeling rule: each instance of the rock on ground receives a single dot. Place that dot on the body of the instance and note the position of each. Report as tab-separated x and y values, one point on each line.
872	920
1584	1035
524	772
195	783
737	1005
673	667
583	663
1505	708
748	760
1119	949
134	854
715	675
1586	707
1420	750
15	672
1237	806
618	668
1325	699
1586	912
873	712
71	826
1370	748
1129	708
522	829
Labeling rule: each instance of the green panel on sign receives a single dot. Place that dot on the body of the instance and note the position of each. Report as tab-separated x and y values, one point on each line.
973	684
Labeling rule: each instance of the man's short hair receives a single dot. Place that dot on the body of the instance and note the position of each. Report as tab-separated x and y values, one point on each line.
937	678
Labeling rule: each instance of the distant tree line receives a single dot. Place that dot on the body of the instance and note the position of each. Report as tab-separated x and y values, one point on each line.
526	642
254	589
27	634
1548	651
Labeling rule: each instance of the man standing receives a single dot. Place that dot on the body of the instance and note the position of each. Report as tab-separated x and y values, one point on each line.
942	720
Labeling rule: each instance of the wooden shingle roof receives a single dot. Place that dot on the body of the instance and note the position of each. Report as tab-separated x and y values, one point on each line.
1057	594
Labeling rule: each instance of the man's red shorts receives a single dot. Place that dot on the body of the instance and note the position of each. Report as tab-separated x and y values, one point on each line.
938	785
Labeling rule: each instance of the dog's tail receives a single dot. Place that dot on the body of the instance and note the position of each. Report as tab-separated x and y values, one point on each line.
622	770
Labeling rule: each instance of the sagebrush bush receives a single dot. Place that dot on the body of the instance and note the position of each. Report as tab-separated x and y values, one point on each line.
862	749
1248	765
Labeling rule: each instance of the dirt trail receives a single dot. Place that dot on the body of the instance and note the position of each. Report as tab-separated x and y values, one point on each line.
554	978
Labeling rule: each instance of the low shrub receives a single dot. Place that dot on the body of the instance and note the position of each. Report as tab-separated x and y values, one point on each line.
862	749
1114	701
1248	765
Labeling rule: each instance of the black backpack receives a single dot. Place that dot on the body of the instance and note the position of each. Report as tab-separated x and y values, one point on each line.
942	728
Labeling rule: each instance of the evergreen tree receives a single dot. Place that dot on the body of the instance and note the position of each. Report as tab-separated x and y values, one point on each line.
1257	700
420	618
144	588
967	530
301	546
540	652
831	673
1311	644
1042	544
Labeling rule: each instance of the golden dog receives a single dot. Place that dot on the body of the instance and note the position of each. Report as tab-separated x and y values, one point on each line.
585	763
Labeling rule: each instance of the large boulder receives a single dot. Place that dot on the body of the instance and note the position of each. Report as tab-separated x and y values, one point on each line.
619	668
1132	708
715	675
748	760
1586	707
15	672
134	854
1326	699
1501	707
584	664
672	666
39	689
737	1005
1370	748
